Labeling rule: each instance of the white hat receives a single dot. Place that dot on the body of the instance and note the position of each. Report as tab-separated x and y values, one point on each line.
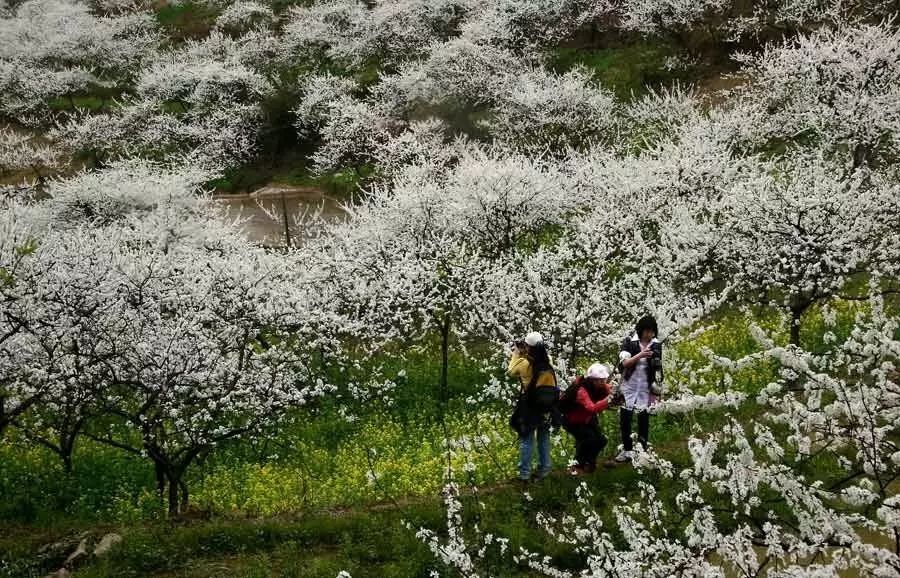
534	338
597	371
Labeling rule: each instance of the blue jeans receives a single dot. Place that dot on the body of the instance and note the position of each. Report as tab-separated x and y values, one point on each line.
526	448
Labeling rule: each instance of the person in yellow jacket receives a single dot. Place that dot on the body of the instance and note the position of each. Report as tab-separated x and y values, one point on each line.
530	364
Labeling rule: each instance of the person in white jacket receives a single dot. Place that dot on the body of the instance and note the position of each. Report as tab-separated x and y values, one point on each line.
640	360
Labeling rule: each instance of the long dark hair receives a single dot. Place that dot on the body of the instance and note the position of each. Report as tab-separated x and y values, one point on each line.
540	362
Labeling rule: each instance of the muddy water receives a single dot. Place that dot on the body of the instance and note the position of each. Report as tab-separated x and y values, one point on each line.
257	209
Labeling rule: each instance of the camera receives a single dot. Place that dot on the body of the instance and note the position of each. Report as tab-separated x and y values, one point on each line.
656	360
520	344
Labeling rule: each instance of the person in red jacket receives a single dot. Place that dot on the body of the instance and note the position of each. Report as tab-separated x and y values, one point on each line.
587	397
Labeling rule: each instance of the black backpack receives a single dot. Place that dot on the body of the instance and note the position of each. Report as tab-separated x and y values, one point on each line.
567	400
544	398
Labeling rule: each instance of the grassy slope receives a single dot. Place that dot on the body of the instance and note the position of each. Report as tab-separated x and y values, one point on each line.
367	541
256	514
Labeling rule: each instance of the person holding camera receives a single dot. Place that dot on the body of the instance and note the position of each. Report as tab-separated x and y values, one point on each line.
538	397
581	405
640	361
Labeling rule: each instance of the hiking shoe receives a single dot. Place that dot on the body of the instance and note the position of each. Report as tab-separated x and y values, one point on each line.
624	457
537	476
576	471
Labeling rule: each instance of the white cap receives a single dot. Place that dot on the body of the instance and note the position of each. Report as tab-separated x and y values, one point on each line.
597	371
534	338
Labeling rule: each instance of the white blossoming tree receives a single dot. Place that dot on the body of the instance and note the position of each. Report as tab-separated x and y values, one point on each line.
59	49
417	256
835	89
24	154
796	232
130	306
354	33
17	245
482	92
199	104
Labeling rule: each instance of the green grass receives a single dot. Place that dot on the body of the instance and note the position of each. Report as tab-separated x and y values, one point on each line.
298	501
186	20
86	102
318	459
342	183
368	542
312	461
628	70
293	169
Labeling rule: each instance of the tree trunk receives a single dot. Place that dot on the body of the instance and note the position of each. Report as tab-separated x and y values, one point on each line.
861	155
796	319
67	445
287	228
184	494
445	358
444	385
178	491
160	478
173	495
573	348
4	419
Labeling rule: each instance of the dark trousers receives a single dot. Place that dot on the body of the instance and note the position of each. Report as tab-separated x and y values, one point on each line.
589	441
643	424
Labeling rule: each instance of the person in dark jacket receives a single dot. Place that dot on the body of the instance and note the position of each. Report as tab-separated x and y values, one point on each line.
640	360
592	395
